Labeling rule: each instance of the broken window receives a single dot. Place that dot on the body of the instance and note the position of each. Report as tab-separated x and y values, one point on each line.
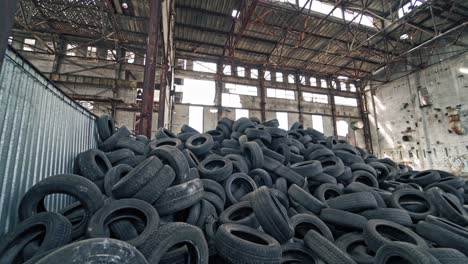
198	92
196	117
111	55
279	77
345	101
323	83
291	78
313	81
230	100
282	120
129	57
302	79
342	128
352	87
139	95
181	64
315	97
254	73
317	122
343	86
71	49
280	93
29	44
203	66
10	40
240	71
241	89
267	76
227	70
408	7
91	52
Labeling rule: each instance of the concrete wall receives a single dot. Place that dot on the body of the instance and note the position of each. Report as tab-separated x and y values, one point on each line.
396	112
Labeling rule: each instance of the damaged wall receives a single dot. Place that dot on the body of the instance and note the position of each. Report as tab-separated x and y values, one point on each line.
410	117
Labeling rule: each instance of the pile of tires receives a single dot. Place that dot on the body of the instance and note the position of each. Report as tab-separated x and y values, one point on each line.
245	192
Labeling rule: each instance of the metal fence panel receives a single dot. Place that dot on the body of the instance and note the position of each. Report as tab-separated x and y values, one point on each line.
41	132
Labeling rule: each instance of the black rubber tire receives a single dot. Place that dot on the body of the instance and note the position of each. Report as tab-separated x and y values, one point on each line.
275	155
82	189
98	224
297	252
214	187
382	171
207	210
271	214
332	165
239	163
164	133
424	178
323	178
447	207
343	220
254	154
239	244
240	214
325	249
119	154
308	169
186	128
93	164
114	175
216	169
319	154
132	161
143	139
348	158
378	233
192	160
200	144
253	133
179	197
346	176
446	224
129	143
137	178
349	244
157	185
105	126
363	167
215	200
175	158
271	164
366	178
403	253
412	195
348	148
238	185
123	229
54	228
291	176
454	181
261	177
448	255
442	237
327	191
305	199
96	250
395	215
174	142
173	234
458	193
111	143
302	223
281	184
353	202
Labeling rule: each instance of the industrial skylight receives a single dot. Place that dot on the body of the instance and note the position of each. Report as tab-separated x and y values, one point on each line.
326	9
408	8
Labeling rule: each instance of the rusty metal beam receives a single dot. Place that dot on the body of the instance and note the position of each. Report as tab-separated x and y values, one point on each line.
150	68
262	90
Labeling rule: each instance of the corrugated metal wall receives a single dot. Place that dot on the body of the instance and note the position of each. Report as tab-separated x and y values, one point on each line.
41	132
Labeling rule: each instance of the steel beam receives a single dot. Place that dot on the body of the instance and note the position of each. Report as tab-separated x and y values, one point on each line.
333	106
261	86
300	99
219	89
150	68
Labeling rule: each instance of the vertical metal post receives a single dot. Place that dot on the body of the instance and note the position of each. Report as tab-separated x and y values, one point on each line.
362	104
333	105
261	79
219	89
297	80
59	52
162	92
150	68
6	21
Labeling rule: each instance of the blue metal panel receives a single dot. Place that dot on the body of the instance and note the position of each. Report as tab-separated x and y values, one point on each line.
41	132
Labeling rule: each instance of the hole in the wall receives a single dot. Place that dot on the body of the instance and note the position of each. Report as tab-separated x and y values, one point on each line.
435	152
417	154
424	153
446	152
410	154
401	155
416	124
407	138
